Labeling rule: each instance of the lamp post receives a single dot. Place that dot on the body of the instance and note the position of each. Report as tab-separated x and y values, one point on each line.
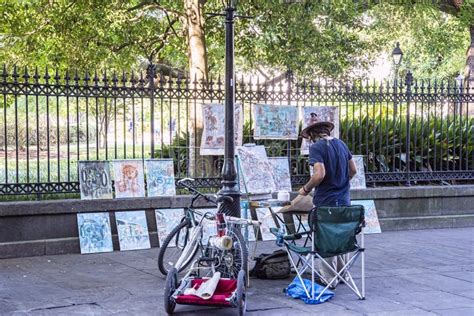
229	172
397	56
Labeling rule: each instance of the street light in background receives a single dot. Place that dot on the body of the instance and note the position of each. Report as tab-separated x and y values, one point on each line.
397	56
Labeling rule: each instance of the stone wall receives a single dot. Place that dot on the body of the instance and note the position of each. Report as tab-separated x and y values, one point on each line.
50	227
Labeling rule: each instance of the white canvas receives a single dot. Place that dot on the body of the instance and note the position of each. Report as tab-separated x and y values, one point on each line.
132	230
160	177
358	182
264	215
95	181
372	224
129	178
94	232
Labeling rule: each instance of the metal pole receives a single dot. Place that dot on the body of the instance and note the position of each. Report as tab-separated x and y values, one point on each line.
229	174
408	82
151	75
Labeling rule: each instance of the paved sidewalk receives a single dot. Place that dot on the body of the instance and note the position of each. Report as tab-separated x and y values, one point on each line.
425	272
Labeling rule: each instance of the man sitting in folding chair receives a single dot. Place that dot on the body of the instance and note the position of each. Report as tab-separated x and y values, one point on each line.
334	232
333	168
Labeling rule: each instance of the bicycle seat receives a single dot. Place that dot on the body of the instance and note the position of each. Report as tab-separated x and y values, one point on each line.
224	198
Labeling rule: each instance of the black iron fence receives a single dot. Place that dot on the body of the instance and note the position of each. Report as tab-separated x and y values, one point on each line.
409	132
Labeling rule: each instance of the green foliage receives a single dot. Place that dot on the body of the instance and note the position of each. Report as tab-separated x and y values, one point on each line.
178	151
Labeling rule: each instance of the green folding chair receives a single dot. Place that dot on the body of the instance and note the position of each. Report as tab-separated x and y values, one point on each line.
334	232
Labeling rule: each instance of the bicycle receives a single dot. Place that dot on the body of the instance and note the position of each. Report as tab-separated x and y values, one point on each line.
185	240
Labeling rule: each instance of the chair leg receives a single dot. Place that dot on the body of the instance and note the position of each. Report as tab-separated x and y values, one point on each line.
362	264
298	273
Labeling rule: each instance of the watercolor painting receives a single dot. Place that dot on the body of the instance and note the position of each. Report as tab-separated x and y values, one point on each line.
132	230
249	229
358	182
129	178
256	170
264	215
281	173
95	181
275	122
372	224
160	177
324	113
213	135
94	232
166	220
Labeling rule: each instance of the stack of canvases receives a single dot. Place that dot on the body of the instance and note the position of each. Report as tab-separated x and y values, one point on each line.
96	183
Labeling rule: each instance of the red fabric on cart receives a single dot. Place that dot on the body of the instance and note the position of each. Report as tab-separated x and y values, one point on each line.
224	290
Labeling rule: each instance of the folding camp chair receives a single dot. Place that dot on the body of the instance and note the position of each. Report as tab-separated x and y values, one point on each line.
334	232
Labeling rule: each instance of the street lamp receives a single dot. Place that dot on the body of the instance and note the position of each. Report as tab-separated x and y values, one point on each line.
229	172
397	56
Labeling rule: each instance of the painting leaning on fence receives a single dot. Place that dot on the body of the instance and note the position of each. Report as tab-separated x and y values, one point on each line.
94	179
132	230
95	234
129	178
275	122
160	177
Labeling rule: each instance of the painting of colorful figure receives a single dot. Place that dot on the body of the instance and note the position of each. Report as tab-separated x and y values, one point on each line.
275	122
324	113
132	230
256	170
281	173
94	232
166	220
213	135
372	224
94	180
160	177
358	182
129	178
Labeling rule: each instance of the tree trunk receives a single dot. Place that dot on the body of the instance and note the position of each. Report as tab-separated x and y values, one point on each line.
469	70
198	73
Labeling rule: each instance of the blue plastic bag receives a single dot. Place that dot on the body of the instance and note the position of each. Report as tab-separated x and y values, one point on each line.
296	290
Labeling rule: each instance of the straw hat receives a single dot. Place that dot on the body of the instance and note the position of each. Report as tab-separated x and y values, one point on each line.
315	123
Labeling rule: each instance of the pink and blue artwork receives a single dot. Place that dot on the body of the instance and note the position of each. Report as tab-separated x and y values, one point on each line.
213	134
281	173
275	122
166	220
358	181
372	224
256	171
129	178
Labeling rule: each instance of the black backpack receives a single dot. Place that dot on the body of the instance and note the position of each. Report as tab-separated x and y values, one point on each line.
272	266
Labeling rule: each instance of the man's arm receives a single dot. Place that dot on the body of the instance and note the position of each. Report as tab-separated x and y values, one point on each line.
319	172
352	169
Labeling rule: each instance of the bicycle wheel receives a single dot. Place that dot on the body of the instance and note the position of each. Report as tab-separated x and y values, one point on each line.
173	246
230	262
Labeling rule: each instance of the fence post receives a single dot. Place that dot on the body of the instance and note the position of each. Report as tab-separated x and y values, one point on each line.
408	83
150	76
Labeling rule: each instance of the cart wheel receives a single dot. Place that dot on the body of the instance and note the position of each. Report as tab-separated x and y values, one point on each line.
170	287
241	300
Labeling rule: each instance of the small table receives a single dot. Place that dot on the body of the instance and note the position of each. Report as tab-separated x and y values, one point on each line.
268	204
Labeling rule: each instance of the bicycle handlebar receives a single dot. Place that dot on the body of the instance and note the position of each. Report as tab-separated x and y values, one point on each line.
193	190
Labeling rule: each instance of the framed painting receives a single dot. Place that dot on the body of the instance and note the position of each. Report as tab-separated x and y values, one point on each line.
132	230
281	173
129	178
275	121
166	220
95	181
94	232
160	177
358	182
213	134
324	113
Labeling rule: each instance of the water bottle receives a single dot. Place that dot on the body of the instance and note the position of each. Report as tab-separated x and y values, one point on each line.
279	237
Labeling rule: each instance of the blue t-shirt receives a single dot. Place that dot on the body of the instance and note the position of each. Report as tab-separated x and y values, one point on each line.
334	189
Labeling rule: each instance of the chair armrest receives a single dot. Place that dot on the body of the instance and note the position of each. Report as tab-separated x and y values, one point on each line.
296	236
